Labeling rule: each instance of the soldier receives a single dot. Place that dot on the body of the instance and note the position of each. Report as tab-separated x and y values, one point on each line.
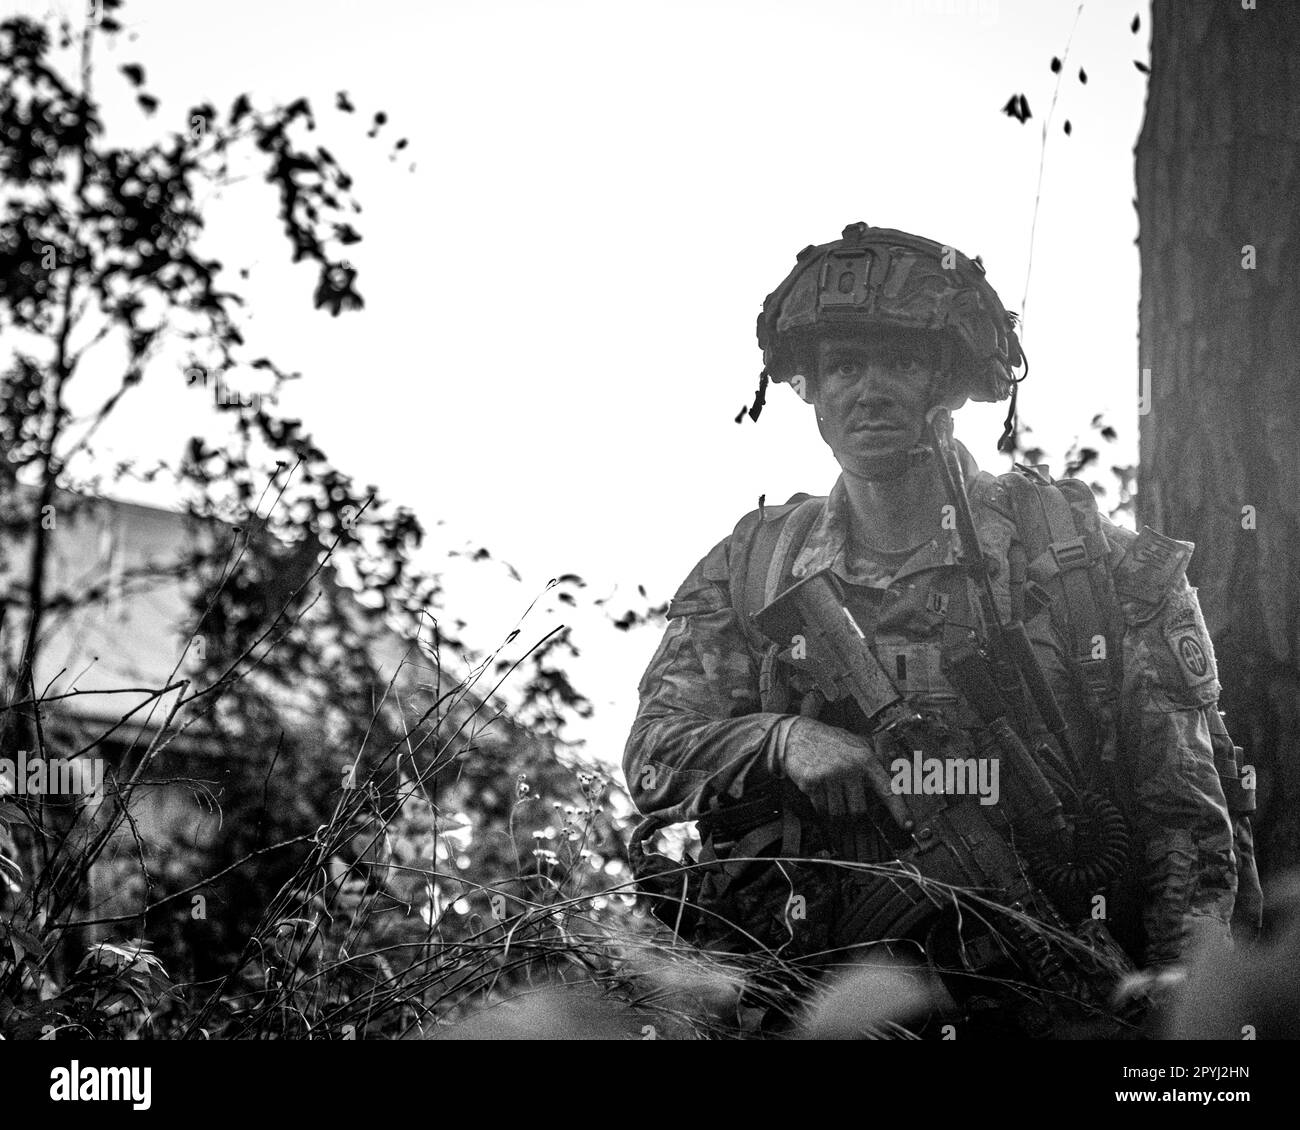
877	331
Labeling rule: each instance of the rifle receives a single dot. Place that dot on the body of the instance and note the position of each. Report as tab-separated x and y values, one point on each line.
1097	849
953	843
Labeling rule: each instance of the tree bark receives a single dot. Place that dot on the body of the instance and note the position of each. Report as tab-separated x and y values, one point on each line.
1218	180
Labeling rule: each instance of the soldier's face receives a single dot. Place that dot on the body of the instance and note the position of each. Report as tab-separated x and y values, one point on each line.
871	394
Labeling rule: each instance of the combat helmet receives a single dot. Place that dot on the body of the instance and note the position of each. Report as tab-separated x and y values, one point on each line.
876	277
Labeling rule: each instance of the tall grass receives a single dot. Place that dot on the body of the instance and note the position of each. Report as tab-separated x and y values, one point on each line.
456	887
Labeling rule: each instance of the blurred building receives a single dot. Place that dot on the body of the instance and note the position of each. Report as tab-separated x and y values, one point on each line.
120	624
114	625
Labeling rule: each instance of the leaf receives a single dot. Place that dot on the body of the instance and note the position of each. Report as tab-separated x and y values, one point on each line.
134	73
1137	23
1056	65
10	872
25	943
1017	107
10	813
1068	128
335	291
148	103
130	956
1083	75
344	103
1141	66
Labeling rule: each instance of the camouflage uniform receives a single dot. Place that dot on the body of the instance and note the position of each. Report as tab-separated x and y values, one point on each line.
715	710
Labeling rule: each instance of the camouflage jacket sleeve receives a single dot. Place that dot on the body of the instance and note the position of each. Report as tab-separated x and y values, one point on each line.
1170	689
700	736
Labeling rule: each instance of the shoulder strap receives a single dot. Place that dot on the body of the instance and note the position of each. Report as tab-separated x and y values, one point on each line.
794	531
1066	553
765	544
766	552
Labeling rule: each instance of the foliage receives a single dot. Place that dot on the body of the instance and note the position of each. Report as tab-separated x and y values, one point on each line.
338	718
1078	458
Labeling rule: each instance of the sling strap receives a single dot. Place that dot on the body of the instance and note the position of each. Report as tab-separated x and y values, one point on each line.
1065	565
764	567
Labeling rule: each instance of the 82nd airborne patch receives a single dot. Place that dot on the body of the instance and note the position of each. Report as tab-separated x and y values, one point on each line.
1189	640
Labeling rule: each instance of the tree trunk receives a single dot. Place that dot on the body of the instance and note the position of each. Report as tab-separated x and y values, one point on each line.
1218	180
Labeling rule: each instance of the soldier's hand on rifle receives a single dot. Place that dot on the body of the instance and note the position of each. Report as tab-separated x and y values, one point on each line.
835	769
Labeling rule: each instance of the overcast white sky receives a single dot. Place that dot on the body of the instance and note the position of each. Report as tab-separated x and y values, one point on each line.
561	291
